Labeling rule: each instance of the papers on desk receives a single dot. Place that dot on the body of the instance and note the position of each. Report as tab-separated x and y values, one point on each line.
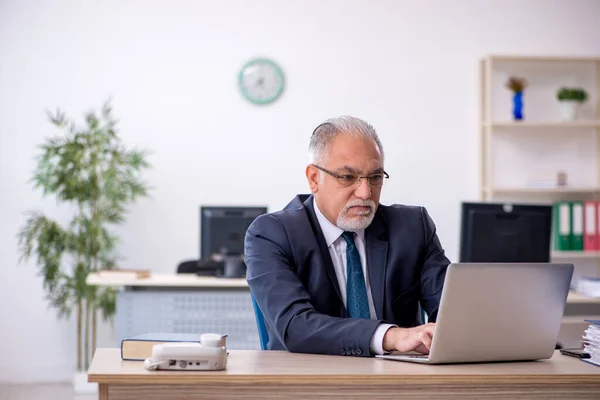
587	286
591	342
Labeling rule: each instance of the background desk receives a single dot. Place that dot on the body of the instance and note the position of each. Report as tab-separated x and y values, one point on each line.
183	303
189	303
283	375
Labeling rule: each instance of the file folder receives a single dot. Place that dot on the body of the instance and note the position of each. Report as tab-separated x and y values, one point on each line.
577	225
590	226
562	226
597	225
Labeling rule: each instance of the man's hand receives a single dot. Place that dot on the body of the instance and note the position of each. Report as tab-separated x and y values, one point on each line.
409	339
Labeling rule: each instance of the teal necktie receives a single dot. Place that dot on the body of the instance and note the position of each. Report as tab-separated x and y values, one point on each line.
356	289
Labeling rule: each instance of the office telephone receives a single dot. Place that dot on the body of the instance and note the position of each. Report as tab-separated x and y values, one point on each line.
208	355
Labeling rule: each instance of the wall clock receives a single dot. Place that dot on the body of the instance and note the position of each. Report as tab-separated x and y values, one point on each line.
261	81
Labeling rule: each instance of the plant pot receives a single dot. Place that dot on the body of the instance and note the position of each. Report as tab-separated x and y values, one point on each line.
81	384
569	109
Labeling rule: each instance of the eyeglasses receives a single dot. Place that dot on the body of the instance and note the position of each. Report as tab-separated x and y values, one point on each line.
347	180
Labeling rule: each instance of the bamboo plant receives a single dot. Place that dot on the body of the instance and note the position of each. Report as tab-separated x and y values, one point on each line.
91	170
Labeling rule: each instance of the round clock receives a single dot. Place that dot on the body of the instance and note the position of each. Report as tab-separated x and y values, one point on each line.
261	81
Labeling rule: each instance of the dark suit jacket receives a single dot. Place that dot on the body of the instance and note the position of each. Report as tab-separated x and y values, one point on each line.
291	275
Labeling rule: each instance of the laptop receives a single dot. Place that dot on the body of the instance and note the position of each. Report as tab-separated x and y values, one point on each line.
497	312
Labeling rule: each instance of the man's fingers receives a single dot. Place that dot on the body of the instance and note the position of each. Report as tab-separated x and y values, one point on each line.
422	349
410	342
426	339
418	339
423	343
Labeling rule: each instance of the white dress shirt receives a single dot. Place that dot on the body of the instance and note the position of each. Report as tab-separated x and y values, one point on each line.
337	250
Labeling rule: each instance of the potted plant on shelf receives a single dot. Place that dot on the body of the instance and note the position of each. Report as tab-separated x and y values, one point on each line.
90	170
517	86
570	100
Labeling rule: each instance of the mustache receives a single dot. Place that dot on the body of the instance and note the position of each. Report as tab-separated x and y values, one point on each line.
360	203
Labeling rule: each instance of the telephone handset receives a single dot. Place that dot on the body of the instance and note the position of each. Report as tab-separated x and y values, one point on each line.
209	354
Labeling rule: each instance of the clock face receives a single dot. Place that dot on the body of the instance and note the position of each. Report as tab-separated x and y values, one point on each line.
261	81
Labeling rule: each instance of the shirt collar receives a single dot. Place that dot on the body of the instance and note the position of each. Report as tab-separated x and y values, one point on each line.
331	231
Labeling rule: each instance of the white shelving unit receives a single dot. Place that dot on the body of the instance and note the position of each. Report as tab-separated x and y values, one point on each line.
575	255
501	135
514	152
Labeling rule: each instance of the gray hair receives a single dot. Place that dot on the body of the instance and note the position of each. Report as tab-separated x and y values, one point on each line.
323	136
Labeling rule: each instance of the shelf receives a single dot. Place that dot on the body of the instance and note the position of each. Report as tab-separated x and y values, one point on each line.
565	255
511	191
519	58
578	319
544	124
576	298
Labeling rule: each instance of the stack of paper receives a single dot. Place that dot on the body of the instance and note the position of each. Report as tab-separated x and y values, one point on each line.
591	342
587	286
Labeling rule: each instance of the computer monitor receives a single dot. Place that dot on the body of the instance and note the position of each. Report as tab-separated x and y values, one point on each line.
223	230
505	232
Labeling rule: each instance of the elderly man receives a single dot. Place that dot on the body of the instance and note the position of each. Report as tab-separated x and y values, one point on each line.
335	272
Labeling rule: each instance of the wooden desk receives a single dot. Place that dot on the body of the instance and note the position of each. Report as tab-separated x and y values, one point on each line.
283	375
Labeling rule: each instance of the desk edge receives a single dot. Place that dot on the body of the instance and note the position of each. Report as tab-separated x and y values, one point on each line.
391	380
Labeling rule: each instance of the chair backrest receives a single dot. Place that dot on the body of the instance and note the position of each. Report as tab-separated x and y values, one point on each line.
187	267
260	323
424	316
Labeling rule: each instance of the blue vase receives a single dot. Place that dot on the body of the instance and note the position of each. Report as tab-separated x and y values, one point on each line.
518	105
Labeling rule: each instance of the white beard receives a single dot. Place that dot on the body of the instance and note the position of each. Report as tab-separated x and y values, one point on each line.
361	221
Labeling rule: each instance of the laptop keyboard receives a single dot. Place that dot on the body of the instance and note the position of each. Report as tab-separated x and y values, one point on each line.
416	355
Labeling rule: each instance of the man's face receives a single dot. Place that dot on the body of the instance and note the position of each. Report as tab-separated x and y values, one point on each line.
348	207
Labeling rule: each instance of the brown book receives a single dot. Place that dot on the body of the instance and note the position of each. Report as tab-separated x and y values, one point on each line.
122	273
138	348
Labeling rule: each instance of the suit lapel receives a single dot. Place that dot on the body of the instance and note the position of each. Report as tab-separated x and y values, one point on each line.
377	245
328	264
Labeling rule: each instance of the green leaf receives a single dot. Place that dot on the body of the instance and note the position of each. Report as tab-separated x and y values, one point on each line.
45	240
89	168
107	302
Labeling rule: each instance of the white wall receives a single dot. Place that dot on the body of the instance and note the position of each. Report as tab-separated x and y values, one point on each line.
409	67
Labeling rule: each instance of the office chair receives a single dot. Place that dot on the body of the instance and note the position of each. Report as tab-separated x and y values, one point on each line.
424	316
260	323
187	267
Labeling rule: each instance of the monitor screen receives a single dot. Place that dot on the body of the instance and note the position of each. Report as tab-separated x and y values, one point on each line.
494	232
223	229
